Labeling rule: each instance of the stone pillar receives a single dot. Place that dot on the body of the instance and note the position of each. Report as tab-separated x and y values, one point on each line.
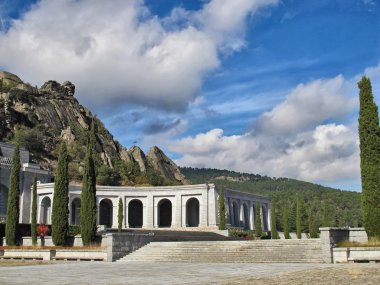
241	214
115	213
176	211
251	216
329	238
148	212
268	217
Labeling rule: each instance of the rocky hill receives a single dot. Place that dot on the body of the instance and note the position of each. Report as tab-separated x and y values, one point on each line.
40	118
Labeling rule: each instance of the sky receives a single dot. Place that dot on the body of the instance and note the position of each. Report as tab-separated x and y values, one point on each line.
259	86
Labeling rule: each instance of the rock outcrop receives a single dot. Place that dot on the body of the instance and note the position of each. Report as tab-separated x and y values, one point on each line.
54	111
160	162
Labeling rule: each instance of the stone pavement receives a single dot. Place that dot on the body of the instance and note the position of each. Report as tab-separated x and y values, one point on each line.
190	273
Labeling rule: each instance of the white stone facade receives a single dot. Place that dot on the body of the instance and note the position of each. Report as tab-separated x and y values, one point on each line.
173	207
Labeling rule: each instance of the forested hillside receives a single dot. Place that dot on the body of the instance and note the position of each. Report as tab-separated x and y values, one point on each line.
328	206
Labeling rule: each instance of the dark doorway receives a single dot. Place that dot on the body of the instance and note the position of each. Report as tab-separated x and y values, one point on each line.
164	213
192	212
264	217
235	207
3	200
135	214
246	217
75	211
105	213
45	211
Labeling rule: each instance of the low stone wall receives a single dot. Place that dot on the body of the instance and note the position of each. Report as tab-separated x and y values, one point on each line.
120	244
356	254
331	236
72	241
112	247
54	254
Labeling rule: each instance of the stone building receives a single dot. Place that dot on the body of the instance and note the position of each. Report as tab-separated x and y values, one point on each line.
172	207
27	174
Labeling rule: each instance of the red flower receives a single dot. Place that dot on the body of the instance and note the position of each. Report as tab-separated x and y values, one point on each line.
42	230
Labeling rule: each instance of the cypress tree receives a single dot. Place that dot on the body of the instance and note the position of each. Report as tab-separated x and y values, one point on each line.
222	211
60	212
88	196
33	226
285	220
298	216
258	228
13	206
312	225
120	216
369	137
273	221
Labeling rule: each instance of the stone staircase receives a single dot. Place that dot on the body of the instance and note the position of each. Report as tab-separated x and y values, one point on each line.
264	251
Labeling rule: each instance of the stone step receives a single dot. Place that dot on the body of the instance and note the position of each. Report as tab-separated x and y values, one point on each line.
308	251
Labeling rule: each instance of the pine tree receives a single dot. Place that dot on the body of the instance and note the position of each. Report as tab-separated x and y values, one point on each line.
13	207
33	226
60	212
273	220
222	211
299	217
285	221
88	196
120	216
258	228
369	137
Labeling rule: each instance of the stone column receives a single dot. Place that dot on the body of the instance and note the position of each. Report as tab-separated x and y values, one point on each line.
148	212
176	211
269	218
232	212
241	213
251	215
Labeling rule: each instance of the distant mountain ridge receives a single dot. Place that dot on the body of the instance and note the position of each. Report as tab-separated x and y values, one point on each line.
336	207
40	118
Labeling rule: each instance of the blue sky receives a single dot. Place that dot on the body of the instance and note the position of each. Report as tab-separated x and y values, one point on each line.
261	86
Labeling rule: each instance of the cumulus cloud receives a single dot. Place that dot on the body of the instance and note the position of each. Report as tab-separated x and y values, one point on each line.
295	139
116	51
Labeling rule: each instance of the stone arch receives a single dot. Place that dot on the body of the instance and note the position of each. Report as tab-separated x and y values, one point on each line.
75	211
45	211
235	210
106	213
135	214
264	213
3	199
192	212
164	213
246	216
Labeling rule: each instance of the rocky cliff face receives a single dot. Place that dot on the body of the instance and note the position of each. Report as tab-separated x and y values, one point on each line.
52	114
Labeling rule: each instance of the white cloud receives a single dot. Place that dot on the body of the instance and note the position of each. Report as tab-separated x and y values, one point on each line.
306	106
295	139
116	51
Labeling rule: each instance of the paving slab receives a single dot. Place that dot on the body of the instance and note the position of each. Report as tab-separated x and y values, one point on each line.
187	273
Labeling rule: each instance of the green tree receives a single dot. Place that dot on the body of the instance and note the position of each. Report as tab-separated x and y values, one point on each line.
298	216
60	212
222	210
33	225
273	220
312	223
88	196
258	228
120	216
13	209
369	137
326	222
108	176
285	220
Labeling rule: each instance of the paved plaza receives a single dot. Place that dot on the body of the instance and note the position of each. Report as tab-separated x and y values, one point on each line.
190	273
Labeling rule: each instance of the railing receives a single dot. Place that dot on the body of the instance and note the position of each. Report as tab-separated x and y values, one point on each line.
5	162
